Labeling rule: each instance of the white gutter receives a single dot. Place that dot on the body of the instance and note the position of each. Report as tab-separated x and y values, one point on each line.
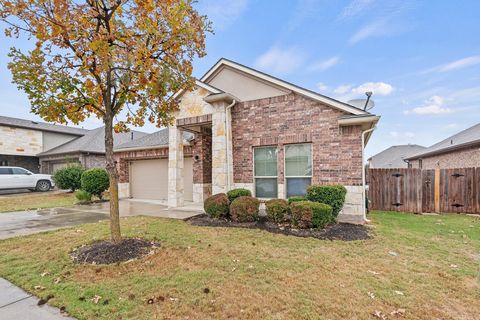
228	125
364	196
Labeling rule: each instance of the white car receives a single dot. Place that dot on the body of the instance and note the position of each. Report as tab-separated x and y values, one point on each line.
20	178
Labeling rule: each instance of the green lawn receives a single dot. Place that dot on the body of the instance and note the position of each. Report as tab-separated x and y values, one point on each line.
37	200
426	265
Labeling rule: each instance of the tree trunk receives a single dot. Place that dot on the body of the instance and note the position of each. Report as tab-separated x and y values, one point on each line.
113	175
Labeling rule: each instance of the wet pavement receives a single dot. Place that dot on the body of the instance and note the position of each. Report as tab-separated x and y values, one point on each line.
27	222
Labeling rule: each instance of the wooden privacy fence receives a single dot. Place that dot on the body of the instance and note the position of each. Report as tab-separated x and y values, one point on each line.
417	190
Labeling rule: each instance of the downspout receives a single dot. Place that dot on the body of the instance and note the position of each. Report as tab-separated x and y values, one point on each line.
364	195
228	125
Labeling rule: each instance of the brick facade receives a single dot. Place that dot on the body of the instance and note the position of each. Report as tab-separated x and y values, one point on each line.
292	118
462	158
30	163
87	161
202	153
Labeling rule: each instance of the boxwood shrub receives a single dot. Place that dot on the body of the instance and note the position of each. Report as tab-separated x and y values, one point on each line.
239	192
277	210
333	195
296	198
83	196
308	214
244	209
216	206
69	178
95	181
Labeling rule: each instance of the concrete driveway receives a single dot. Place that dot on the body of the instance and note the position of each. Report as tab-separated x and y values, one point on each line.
27	222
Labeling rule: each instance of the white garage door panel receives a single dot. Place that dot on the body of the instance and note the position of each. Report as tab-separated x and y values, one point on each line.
149	179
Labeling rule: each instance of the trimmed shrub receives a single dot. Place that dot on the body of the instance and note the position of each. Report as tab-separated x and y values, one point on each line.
83	196
296	198
95	181
308	214
68	178
333	195
216	206
239	192
277	210
244	209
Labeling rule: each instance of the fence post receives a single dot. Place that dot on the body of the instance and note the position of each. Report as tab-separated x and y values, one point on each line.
437	190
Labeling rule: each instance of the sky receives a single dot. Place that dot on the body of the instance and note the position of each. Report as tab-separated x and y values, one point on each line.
421	59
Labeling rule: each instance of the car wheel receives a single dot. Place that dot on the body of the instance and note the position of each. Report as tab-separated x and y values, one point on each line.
43	185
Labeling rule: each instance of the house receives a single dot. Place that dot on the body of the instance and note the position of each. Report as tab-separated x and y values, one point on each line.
43	147
250	130
394	157
462	150
22	140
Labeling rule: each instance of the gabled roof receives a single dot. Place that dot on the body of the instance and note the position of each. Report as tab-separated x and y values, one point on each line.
280	83
463	139
92	142
200	84
157	139
41	126
394	156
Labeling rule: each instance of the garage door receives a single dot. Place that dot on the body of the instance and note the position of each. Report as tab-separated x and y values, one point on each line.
149	179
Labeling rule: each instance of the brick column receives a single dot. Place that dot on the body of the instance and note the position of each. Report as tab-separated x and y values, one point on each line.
175	167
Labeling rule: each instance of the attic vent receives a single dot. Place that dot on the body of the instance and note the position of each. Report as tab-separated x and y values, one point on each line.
34	122
451	141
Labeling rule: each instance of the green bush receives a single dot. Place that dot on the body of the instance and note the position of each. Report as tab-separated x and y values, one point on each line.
296	198
83	196
308	214
217	206
277	210
239	192
69	177
95	181
333	195
244	209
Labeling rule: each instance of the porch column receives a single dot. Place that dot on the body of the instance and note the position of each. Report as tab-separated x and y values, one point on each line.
219	149
175	167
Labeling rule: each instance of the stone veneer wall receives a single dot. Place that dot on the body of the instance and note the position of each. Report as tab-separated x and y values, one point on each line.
19	141
462	158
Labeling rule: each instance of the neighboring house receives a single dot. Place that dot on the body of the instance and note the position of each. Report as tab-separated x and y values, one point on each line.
394	157
22	140
254	131
87	151
461	150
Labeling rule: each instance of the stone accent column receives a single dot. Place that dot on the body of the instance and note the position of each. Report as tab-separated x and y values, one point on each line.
175	167
219	149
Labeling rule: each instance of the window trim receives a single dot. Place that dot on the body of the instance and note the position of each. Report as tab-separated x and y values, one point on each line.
264	177
285	165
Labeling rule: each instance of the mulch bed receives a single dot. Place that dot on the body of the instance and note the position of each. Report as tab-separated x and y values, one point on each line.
106	252
92	202
338	231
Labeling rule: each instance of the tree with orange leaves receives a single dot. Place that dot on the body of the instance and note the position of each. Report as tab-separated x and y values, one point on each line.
105	58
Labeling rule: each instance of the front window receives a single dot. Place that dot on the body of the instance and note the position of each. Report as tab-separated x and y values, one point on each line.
20	171
298	168
265	172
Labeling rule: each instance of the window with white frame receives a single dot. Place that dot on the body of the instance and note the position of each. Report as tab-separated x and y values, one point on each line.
265	172
298	168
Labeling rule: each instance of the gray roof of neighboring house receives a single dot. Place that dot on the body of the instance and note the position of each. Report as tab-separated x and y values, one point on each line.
463	139
156	139
93	142
41	126
393	157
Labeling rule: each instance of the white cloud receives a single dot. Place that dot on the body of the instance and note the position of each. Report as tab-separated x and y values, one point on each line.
457	64
375	29
280	60
355	8
325	64
322	86
378	88
342	89
223	13
409	134
434	105
394	134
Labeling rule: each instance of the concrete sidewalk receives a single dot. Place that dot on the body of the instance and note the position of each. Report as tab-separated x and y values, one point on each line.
17	304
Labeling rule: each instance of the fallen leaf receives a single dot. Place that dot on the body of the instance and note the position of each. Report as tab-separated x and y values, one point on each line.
398	312
371	295
374	272
379	314
400	293
393	253
96	298
57	280
39	288
453	266
46	273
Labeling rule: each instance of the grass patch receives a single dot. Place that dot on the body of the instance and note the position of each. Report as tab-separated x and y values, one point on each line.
254	274
31	201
